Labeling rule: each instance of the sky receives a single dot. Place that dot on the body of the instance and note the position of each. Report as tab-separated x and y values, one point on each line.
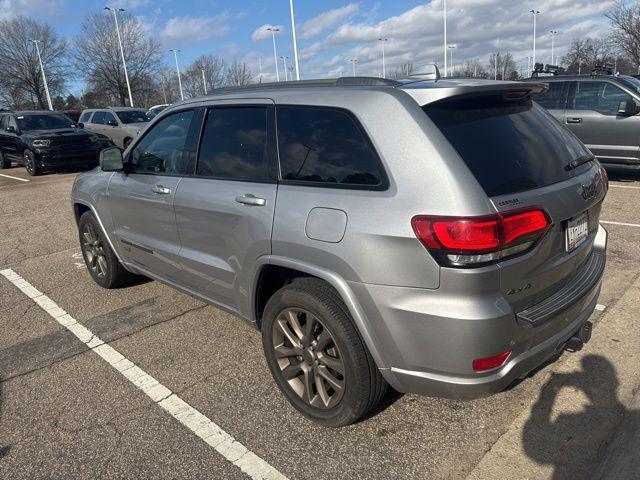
331	32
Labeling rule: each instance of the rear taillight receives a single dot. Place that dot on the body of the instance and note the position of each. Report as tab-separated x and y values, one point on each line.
471	241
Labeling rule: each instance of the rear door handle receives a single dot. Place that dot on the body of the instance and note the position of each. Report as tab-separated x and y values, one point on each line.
250	199
574	120
159	189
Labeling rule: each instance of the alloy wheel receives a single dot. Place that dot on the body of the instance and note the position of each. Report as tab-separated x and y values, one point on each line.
29	164
309	358
94	250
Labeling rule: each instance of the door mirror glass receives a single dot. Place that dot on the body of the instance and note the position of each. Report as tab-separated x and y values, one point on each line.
11	129
627	108
111	160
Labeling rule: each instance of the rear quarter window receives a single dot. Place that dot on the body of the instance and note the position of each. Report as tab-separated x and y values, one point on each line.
509	146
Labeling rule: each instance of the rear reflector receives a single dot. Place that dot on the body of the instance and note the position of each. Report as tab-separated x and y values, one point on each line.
473	240
488	363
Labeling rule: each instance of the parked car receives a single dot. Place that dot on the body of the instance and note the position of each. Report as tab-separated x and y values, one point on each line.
45	141
155	110
120	124
447	253
602	110
73	115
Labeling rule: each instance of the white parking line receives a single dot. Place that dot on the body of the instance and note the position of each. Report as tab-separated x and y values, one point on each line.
15	178
234	451
621	223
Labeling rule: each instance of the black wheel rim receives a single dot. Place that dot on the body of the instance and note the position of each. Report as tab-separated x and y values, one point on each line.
308	358
93	249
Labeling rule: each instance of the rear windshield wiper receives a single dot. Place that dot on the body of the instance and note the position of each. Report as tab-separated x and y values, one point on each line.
573	164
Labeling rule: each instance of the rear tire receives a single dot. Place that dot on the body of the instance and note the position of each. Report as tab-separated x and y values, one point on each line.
103	265
4	163
30	163
316	355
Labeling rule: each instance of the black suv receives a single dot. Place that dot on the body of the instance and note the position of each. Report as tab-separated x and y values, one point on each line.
45	141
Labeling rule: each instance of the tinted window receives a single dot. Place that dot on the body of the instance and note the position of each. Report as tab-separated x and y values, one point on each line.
234	144
85	117
98	117
325	145
109	117
43	122
132	116
508	146
3	121
602	97
162	149
552	98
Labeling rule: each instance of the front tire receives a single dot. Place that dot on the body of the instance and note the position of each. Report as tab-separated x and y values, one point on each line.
102	263
31	164
316	355
4	163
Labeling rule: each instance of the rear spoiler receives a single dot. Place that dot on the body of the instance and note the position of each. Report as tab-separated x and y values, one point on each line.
425	93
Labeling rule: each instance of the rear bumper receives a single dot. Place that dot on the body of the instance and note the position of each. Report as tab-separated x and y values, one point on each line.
429	342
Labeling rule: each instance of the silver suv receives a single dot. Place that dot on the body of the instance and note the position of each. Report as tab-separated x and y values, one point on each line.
438	236
120	124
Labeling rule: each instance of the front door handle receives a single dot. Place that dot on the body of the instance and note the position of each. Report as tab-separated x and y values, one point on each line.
250	199
574	120
159	189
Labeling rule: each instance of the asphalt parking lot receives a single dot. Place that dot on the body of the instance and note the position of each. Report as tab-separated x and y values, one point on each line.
65	412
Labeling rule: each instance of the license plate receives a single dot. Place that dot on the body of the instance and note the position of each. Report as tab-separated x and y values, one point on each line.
577	231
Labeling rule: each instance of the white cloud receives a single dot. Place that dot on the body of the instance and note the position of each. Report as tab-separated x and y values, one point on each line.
319	24
261	33
127	4
194	29
14	8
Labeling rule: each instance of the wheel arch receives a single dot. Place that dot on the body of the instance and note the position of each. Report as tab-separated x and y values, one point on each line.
79	208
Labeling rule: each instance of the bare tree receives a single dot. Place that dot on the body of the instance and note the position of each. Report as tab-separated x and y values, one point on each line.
214	75
21	82
625	29
402	71
585	54
472	68
502	66
239	74
98	56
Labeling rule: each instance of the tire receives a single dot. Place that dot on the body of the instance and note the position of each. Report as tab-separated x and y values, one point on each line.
33	169
4	163
350	383
101	262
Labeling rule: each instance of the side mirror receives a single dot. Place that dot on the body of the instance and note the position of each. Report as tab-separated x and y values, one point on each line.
111	160
80	125
112	123
627	108
10	129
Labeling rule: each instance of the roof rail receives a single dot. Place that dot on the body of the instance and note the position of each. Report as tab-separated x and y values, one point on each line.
329	82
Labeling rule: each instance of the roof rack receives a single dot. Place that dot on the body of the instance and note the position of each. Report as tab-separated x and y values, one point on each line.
330	82
548	70
602	69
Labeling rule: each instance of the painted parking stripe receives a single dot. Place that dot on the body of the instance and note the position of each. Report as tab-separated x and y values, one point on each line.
234	451
15	178
621	224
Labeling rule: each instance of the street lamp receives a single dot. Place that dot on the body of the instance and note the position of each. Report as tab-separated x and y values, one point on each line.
124	63
353	62
535	15
204	81
445	38
553	37
275	52
175	55
383	40
295	44
44	77
284	61
451	48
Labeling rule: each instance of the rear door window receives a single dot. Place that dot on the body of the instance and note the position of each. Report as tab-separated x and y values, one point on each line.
326	146
553	98
98	118
509	146
108	117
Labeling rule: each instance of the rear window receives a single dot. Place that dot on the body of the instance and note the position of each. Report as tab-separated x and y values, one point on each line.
509	146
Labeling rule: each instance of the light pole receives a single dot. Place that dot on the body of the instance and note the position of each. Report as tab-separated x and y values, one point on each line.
44	77
284	61
445	38
535	15
295	43
175	55
451	48
553	38
204	81
383	40
353	62
260	68
124	63
275	52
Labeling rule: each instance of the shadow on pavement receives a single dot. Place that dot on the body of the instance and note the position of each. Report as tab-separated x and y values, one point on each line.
573	442
4	449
